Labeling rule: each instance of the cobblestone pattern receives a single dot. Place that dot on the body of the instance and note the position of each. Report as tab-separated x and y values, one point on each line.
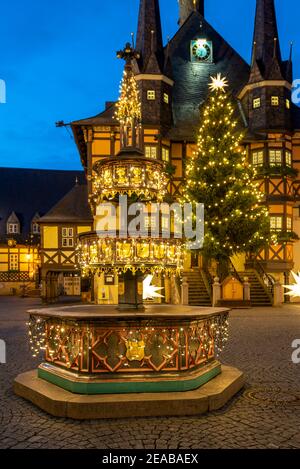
260	345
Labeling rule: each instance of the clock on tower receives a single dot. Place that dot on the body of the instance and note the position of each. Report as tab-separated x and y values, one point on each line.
201	51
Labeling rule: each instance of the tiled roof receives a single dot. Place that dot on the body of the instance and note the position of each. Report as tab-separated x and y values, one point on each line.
72	208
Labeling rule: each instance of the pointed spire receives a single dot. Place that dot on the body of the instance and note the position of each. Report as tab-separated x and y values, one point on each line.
186	8
149	41
289	66
267	53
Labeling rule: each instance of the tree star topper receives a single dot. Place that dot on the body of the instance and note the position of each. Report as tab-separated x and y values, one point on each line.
218	83
294	289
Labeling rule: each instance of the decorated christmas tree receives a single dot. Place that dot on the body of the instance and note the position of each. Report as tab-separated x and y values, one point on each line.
220	176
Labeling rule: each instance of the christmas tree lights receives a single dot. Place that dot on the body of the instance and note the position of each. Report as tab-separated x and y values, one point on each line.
220	176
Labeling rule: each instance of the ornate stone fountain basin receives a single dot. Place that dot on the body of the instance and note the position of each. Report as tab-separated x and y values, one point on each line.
101	350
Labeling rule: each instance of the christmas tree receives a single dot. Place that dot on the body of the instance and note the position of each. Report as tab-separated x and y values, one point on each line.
220	176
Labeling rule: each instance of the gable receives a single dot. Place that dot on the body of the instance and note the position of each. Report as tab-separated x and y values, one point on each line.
191	79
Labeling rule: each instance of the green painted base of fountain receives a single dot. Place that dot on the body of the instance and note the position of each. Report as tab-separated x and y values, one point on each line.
147	383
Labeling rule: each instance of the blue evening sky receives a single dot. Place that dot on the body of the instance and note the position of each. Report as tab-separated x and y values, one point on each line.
58	60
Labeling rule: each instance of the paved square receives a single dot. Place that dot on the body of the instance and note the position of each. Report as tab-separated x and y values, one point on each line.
265	415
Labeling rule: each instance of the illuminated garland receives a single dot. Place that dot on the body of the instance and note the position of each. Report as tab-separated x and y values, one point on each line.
129	176
48	335
129	104
220	177
116	255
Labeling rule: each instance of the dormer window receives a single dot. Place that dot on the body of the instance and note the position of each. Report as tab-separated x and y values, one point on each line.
13	228
13	224
35	227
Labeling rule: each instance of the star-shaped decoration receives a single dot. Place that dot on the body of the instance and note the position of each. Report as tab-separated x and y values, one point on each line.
218	83
150	291
294	289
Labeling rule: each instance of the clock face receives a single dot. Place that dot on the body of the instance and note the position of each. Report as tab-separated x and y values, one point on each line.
201	51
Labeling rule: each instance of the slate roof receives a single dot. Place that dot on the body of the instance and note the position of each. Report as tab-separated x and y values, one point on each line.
30	191
191	79
72	208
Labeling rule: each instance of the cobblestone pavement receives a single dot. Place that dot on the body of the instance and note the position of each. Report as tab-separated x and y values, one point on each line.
265	415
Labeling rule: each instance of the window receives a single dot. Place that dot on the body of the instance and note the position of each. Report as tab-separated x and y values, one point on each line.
13	228
150	152
165	154
258	158
150	222
35	228
275	157
67	237
288	158
14	262
166	98
256	103
289	224
276	223
275	100
288	104
151	95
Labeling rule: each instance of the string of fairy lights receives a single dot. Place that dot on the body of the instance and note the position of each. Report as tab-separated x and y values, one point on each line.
128	107
219	171
65	341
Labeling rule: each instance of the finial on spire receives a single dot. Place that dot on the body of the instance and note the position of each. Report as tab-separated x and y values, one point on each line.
275	47
132	40
128	54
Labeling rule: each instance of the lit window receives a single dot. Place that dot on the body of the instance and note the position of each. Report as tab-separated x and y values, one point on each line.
151	95
150	152
288	158
35	228
288	104
150	222
14	262
166	98
67	237
13	228
256	103
275	101
289	224
165	154
258	158
275	157
276	223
